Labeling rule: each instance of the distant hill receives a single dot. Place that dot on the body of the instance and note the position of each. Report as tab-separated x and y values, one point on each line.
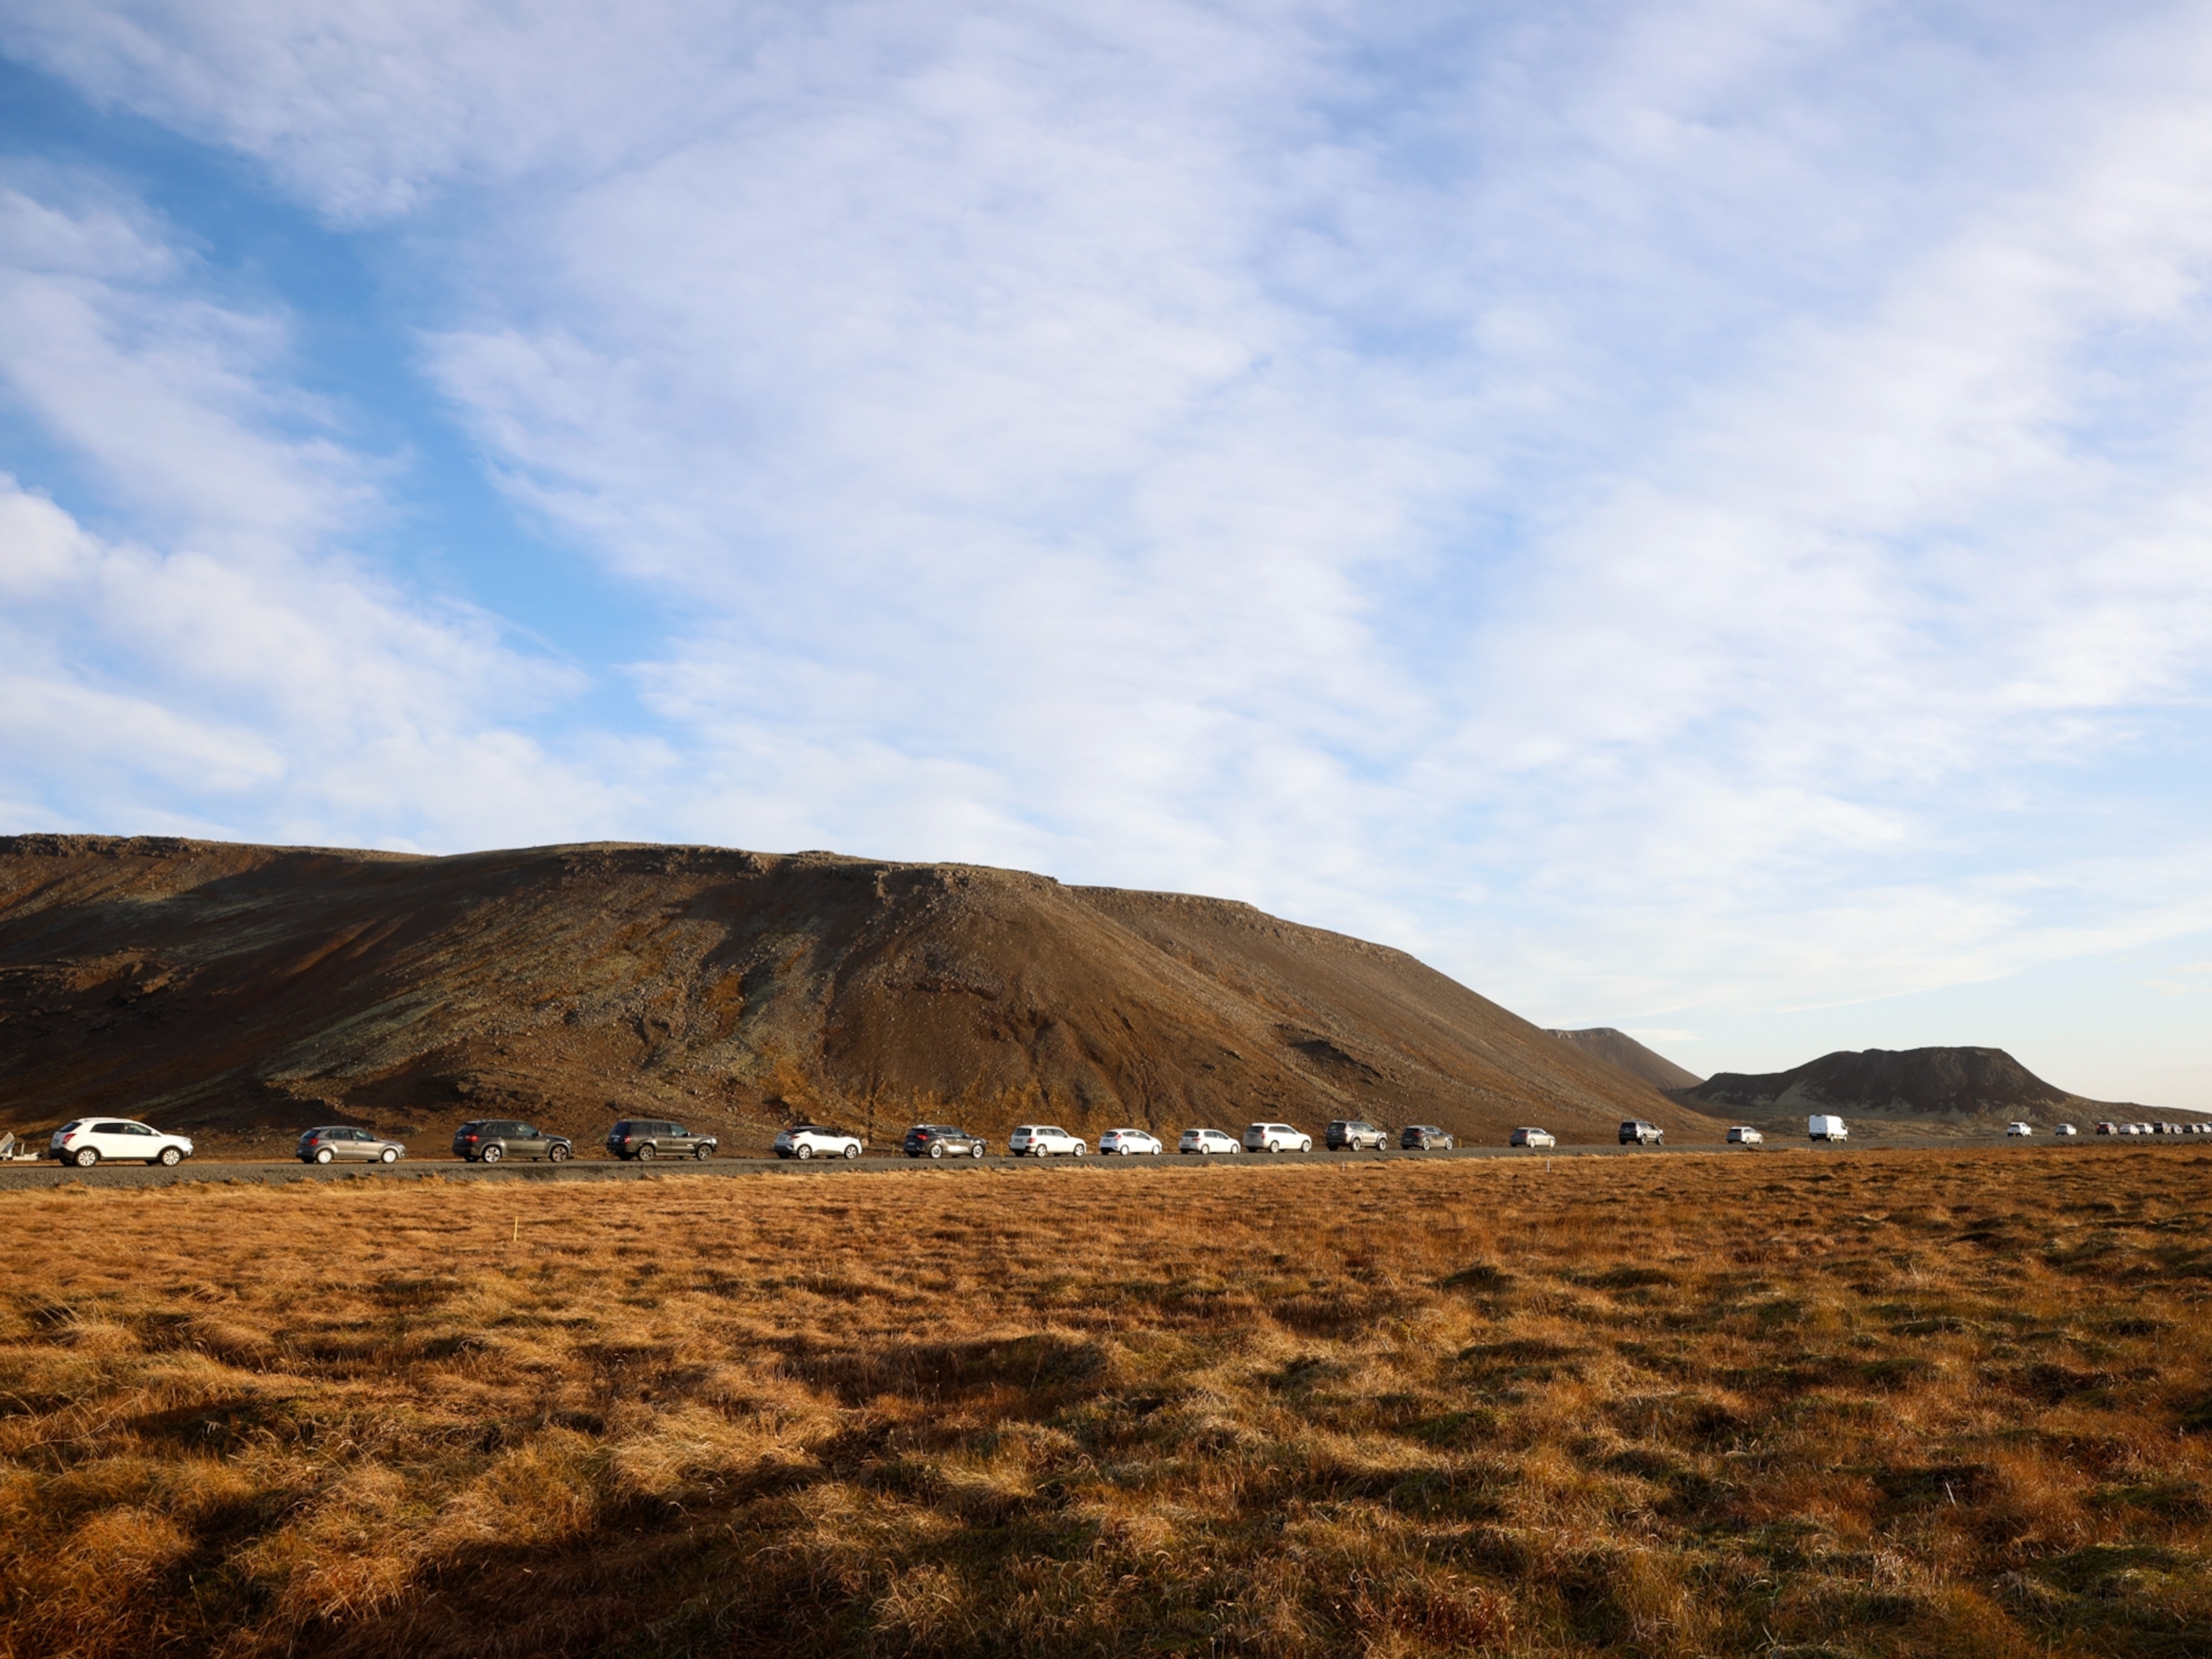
1619	1049
1958	1089
242	993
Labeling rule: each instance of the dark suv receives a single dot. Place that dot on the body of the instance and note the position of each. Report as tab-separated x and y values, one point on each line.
1424	1138
646	1138
488	1139
1355	1134
940	1140
1637	1132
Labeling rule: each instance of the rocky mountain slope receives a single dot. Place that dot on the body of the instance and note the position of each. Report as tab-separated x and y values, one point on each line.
1619	1049
1970	1090
240	993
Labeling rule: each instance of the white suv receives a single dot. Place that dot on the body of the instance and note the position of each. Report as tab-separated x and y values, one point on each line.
88	1140
1531	1137
1275	1138
2020	1131
1129	1143
806	1140
1208	1142
1044	1141
1744	1136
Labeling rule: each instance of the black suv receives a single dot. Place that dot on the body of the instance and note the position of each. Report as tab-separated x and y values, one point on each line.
1355	1134
1637	1132
488	1139
938	1139
1424	1138
646	1138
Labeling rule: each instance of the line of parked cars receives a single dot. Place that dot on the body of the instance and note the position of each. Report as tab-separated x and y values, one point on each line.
2160	1128
85	1142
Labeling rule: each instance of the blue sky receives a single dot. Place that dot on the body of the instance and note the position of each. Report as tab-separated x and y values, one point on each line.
1687	516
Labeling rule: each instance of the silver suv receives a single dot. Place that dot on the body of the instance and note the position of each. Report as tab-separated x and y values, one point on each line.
1637	1132
1355	1135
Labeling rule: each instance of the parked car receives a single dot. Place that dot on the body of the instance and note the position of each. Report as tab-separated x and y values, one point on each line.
341	1144
1355	1135
1275	1138
941	1140
489	1139
1822	1127
1129	1143
1207	1142
1532	1137
2108	1128
1044	1141
642	1139
1423	1137
86	1140
2019	1130
807	1140
2164	1128
1744	1136
2066	1129
1637	1132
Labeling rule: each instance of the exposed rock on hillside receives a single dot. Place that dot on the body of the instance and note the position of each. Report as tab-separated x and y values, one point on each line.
243	992
1619	1049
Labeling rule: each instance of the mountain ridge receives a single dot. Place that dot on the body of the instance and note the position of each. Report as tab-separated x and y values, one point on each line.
1956	1087
242	992
1616	1047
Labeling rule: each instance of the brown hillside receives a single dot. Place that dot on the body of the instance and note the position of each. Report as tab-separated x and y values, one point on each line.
242	992
1928	1090
1618	1048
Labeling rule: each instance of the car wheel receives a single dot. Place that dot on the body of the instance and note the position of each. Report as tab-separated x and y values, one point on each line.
84	1158
490	1155
645	1153
802	1150
702	1154
324	1155
976	1150
389	1155
170	1158
556	1153
1078	1149
937	1149
852	1149
1305	1146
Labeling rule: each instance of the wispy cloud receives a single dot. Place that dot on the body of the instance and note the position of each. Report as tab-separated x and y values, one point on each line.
233	660
1662	509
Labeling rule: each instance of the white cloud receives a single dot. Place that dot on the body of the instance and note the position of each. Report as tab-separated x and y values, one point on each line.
1659	508
248	671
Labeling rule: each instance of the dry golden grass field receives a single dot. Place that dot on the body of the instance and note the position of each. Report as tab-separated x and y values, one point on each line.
1936	1403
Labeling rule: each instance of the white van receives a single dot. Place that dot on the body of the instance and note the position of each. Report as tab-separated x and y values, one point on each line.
1826	1128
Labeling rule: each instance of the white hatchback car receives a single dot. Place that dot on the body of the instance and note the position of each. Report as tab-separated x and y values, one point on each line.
1275	1138
1208	1142
89	1139
1129	1143
1044	1141
806	1140
1744	1136
1531	1137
